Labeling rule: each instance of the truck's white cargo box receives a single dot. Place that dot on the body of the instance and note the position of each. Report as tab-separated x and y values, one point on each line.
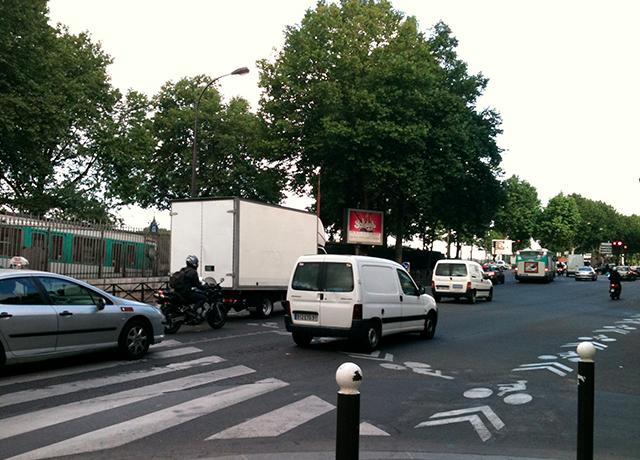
252	245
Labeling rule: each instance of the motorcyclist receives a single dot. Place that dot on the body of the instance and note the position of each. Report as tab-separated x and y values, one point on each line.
614	277
191	288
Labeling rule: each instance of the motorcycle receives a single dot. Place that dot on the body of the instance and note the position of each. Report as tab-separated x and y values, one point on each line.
178	312
614	290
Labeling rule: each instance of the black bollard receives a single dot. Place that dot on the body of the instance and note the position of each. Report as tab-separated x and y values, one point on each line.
586	374
348	377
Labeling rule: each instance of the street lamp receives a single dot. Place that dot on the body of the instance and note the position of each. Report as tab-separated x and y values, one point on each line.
194	155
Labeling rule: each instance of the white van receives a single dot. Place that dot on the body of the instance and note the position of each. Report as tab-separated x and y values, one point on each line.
356	297
460	278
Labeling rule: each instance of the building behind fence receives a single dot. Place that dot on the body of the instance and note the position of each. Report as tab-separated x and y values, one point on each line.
85	251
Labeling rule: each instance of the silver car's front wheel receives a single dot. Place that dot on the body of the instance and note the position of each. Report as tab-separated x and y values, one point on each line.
134	340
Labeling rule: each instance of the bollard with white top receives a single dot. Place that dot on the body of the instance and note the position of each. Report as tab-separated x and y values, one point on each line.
349	378
586	386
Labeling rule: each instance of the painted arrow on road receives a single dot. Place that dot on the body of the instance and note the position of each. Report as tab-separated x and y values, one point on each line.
553	367
456	416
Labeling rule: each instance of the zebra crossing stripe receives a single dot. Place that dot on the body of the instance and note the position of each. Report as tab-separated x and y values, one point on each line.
6	381
278	421
367	429
165	344
154	422
36	420
66	388
175	352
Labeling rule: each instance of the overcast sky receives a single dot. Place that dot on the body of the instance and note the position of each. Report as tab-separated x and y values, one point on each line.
563	74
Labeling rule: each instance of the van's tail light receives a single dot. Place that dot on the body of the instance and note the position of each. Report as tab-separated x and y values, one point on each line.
287	307
468	285
546	269
357	311
433	284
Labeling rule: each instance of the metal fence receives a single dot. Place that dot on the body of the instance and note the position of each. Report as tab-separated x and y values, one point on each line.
83	250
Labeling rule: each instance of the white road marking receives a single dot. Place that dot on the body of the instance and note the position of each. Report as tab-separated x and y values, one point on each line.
477	393
278	421
518	398
367	429
66	388
36	420
155	422
166	344
175	352
475	420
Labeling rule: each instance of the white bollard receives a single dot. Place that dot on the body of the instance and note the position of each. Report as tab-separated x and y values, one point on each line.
349	378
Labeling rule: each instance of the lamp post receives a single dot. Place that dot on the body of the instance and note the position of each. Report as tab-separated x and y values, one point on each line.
194	155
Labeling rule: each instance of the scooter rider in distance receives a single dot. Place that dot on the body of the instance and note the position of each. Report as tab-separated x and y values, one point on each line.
188	284
615	282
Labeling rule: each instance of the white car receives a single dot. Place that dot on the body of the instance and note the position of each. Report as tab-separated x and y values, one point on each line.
501	264
45	315
586	273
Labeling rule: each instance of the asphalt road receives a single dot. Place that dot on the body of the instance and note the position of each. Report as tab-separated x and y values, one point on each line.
499	380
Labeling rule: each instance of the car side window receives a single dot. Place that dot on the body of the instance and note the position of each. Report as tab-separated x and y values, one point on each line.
20	291
63	292
407	284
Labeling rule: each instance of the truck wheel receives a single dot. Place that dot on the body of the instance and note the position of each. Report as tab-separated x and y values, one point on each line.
264	308
301	339
429	327
372	337
134	339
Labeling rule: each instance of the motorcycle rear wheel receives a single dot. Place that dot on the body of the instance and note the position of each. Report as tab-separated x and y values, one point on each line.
172	327
215	316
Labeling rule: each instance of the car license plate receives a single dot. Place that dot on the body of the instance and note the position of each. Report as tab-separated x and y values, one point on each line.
441	286
305	316
457	286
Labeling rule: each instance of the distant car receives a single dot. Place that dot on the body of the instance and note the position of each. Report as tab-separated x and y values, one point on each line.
586	273
626	273
494	272
502	264
44	315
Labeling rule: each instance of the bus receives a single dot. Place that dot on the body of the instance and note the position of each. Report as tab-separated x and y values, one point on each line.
535	265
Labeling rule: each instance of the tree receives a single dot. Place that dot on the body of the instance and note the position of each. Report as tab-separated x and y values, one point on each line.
518	216
599	222
559	223
56	104
358	94
231	159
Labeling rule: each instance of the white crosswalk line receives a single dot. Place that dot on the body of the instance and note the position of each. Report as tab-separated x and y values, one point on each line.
155	422
93	367
66	388
367	429
278	421
175	352
31	421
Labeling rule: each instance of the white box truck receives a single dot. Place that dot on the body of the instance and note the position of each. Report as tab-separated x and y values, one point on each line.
251	246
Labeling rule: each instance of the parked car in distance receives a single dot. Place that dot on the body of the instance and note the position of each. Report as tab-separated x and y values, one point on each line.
586	273
357	297
502	264
495	273
626	273
44	315
459	278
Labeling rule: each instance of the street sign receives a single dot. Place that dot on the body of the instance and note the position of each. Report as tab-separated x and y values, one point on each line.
605	249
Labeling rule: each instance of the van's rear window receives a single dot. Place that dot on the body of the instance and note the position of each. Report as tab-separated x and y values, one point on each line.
451	270
324	277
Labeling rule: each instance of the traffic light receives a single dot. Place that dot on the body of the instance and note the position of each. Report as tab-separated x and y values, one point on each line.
618	246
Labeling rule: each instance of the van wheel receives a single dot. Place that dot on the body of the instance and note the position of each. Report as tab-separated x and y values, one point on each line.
301	339
429	327
490	296
437	297
372	338
3	356
472	296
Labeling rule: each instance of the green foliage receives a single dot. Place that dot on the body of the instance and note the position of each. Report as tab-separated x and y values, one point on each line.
386	115
599	223
517	217
558	225
55	115
231	143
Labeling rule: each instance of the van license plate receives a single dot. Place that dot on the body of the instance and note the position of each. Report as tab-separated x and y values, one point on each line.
305	316
457	286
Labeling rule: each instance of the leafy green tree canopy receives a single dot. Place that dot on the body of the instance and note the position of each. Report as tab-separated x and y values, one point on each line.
558	225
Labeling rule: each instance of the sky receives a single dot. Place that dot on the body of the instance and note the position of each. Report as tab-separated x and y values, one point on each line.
562	74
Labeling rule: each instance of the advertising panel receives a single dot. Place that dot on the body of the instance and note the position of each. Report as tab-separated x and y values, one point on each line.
364	227
502	247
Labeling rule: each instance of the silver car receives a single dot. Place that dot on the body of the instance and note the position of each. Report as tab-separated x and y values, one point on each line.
44	315
586	273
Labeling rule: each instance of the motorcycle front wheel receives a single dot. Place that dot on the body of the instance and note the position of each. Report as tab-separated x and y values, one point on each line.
215	316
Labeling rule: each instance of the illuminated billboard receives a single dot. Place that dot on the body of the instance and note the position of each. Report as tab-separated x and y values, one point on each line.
364	227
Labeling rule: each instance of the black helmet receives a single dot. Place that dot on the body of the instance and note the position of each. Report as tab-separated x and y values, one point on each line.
192	261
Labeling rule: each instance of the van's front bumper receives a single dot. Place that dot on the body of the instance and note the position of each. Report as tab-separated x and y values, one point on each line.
357	330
